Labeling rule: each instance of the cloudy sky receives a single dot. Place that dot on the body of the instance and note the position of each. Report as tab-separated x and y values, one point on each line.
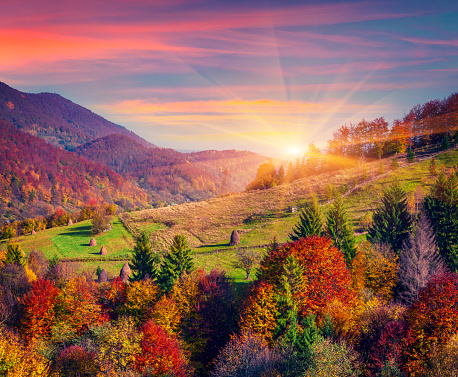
266	76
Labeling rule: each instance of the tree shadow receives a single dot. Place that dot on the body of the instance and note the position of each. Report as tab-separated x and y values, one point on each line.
80	231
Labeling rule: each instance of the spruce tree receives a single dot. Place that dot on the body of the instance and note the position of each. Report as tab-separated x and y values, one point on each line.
441	206
15	255
392	221
144	260
310	221
340	230
176	261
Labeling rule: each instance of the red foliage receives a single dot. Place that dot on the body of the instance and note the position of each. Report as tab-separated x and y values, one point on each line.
39	312
326	275
433	319
112	296
76	361
161	353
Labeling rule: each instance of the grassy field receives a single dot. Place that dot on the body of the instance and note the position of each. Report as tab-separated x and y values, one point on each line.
258	216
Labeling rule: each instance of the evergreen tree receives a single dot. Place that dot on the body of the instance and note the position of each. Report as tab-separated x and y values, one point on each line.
410	155
15	255
310	221
176	261
441	206
144	260
445	144
340	230
392	221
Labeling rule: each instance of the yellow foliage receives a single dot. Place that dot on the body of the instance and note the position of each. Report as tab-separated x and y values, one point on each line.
380	265
185	291
444	361
118	347
345	318
167	315
17	361
79	303
140	297
30	274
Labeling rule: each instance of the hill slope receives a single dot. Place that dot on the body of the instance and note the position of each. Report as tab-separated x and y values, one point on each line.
169	175
36	177
56	119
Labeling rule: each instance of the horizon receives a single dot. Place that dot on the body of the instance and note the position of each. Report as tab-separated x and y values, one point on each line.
264	77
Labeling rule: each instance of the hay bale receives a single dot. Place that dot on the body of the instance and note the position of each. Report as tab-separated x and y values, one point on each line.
33	232
93	242
235	238
70	222
103	251
125	272
103	276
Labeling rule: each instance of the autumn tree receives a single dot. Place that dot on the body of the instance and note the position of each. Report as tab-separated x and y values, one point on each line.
326	276
100	221
441	206
258	311
161	354
177	261
246	260
391	220
266	177
144	259
419	260
310	221
432	318
39	309
340	230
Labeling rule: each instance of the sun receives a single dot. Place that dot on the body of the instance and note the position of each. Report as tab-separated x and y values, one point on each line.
294	150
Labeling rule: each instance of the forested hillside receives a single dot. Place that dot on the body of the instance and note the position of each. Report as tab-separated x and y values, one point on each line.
56	119
171	176
36	178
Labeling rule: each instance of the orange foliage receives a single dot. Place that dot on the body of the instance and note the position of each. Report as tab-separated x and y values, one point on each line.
167	315
258	311
326	277
39	314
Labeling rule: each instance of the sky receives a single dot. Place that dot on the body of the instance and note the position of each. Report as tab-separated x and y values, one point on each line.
266	76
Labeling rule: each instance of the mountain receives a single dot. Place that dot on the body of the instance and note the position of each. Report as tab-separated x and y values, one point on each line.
169	175
57	120
36	178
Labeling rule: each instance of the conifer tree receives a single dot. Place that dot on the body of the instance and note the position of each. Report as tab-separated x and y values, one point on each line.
419	260
144	260
15	255
441	206
340	230
392	221
310	221
176	261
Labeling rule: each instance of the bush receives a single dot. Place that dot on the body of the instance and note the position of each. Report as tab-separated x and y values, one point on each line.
100	222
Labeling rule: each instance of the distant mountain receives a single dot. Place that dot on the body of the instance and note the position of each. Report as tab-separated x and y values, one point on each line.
36	178
56	119
169	175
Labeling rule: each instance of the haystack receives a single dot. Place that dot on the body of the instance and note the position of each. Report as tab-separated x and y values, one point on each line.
93	242
235	238
103	276
33	232
125	272
70	222
103	250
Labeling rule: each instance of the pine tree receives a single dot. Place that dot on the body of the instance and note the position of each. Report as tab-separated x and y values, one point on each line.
15	255
144	260
419	260
441	206
392	221
340	230
310	221
410	155
176	261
